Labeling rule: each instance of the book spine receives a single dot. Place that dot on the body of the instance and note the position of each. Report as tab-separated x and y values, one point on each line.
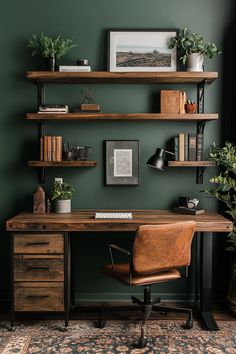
186	147
200	147
58	148
192	147
49	148
45	148
181	147
53	148
176	148
182	101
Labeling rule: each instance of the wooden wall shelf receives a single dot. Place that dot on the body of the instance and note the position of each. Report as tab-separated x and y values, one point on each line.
122	117
191	163
62	163
104	77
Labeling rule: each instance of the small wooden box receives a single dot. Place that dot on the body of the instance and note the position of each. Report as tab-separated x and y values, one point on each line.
173	101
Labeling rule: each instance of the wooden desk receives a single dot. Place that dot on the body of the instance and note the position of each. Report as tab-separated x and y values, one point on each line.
83	220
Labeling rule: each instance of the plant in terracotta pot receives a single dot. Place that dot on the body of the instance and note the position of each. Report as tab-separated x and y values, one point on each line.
193	49
50	48
225	192
62	193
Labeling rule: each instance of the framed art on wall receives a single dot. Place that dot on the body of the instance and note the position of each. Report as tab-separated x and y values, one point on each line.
122	162
141	50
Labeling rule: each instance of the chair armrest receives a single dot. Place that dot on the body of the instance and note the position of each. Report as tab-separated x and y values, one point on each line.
119	249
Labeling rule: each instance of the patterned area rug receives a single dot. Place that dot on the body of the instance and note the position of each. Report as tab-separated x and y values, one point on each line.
117	337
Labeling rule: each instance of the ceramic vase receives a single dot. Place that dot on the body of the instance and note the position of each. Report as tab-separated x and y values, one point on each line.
195	62
63	206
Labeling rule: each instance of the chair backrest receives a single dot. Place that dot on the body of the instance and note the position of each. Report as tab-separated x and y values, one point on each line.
160	247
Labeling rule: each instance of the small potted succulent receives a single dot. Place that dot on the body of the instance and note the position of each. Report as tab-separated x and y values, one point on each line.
50	48
62	193
193	49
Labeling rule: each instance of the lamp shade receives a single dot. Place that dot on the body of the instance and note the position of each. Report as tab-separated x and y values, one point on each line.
157	160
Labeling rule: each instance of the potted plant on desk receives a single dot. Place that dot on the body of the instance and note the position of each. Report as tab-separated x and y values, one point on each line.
62	194
225	192
50	48
193	49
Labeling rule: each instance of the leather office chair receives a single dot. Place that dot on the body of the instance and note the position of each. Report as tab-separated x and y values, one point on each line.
158	252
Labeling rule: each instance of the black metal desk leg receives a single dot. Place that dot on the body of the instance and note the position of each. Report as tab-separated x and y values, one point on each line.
206	281
66	277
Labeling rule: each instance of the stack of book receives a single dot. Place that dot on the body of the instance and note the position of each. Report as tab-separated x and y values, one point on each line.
53	108
75	68
188	147
51	148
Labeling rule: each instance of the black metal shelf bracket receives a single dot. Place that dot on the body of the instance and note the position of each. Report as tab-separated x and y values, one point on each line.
200	125
41	100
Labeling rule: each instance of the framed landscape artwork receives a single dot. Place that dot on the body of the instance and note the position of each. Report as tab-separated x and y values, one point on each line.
122	162
141	50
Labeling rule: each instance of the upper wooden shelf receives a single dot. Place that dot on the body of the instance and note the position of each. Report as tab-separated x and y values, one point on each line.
191	163
103	77
122	117
87	163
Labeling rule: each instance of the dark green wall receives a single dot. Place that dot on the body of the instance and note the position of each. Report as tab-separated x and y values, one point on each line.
86	22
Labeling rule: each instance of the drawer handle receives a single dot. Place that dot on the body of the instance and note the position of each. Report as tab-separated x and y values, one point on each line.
37	243
37	296
38	268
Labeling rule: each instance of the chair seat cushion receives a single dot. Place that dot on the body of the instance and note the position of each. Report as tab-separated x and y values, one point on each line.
121	272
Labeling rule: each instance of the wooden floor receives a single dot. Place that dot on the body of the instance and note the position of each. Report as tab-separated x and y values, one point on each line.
117	311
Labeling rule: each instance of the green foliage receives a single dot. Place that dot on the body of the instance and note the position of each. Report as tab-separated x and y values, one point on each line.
62	191
50	47
225	188
189	43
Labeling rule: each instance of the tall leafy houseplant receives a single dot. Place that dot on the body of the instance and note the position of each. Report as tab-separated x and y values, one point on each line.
225	192
50	48
191	46
62	193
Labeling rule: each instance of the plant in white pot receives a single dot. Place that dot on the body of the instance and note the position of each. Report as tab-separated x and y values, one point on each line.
62	193
193	49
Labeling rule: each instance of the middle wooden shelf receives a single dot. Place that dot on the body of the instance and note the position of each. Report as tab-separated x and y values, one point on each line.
122	117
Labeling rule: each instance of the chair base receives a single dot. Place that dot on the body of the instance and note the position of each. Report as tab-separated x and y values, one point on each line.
147	306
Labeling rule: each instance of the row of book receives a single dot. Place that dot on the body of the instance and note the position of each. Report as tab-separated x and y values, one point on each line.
51	148
189	147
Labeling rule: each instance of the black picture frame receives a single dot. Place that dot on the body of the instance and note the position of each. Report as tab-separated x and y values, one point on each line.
131	50
121	162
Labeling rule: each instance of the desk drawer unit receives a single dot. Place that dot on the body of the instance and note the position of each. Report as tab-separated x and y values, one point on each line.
40	272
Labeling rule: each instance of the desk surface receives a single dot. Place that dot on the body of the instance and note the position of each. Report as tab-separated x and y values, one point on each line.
83	220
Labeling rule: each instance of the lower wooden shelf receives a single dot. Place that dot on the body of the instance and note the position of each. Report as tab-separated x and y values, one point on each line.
62	163
191	163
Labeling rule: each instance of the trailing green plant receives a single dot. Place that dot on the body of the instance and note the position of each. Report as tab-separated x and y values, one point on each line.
62	191
50	47
188	43
225	188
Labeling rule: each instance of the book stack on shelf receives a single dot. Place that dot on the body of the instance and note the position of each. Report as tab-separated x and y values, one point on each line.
173	101
75	68
51	148
188	147
53	108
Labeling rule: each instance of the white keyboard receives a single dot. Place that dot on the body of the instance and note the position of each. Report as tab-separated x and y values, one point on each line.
113	216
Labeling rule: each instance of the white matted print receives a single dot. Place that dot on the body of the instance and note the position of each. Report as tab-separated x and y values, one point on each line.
141	50
122	163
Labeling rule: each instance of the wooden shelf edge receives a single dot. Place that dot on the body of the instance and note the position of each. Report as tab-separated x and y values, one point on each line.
62	163
124	77
191	163
123	117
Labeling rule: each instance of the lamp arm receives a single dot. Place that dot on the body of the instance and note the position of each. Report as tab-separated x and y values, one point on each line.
169	152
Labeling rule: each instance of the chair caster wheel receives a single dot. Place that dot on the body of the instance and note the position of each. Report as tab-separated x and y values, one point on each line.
142	342
188	324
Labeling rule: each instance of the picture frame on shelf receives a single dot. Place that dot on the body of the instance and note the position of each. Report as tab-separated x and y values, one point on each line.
137	50
121	162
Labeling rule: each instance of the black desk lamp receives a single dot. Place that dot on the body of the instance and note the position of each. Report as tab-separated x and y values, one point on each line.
157	160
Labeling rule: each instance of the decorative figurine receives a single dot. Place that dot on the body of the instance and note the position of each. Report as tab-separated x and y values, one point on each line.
39	203
88	104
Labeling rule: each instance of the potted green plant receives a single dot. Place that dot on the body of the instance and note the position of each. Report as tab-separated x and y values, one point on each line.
50	48
193	49
62	193
225	192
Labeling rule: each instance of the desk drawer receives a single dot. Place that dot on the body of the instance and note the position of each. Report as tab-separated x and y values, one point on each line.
38	243
39	297
38	269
